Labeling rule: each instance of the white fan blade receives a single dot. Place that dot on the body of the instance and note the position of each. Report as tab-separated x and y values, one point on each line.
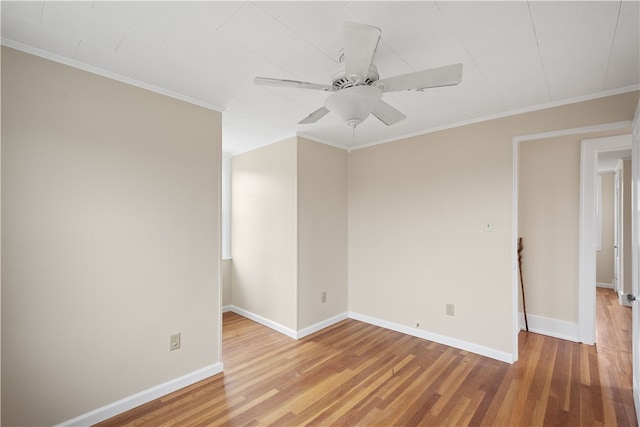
360	44
435	77
263	81
387	114
315	116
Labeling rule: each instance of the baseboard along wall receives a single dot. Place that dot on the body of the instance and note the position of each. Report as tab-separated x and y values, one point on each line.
416	332
264	321
604	285
296	335
160	390
440	339
142	397
551	327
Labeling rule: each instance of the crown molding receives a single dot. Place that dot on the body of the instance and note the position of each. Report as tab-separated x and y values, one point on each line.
509	113
104	73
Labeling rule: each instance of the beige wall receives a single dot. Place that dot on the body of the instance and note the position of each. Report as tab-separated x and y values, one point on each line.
264	232
289	232
604	257
627	245
416	241
548	224
110	240
416	213
322	231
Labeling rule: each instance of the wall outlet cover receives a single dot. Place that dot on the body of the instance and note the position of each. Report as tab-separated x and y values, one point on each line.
450	310
174	342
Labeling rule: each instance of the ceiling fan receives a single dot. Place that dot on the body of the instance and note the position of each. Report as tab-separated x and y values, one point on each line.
357	89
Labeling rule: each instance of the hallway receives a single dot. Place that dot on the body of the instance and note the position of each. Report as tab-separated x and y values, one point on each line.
613	344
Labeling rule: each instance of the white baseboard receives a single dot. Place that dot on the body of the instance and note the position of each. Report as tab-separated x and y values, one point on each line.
130	402
452	342
441	339
296	335
604	285
552	327
160	390
152	393
321	325
265	322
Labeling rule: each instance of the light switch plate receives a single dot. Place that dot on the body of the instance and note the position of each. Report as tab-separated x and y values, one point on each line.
174	342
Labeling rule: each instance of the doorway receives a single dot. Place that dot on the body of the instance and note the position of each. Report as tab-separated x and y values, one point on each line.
566	329
613	228
613	312
591	150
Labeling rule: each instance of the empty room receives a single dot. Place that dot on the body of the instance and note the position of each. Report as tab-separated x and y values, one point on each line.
320	213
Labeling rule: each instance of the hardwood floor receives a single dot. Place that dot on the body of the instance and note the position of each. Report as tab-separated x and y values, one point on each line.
357	374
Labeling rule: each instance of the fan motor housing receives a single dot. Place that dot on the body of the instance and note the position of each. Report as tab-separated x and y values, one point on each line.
340	80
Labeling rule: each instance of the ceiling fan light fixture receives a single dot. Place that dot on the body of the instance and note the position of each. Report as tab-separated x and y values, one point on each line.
354	104
356	86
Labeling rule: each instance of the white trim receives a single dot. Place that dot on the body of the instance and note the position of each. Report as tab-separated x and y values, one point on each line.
296	335
586	245
604	285
452	342
104	73
441	339
509	113
321	325
598	211
135	400
225	206
635	255
552	327
574	131
515	278
264	321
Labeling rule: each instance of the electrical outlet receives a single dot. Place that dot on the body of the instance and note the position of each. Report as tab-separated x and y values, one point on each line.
174	342
323	297
450	310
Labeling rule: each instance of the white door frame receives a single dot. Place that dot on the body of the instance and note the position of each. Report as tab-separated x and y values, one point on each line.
514	222
635	256
587	238
617	229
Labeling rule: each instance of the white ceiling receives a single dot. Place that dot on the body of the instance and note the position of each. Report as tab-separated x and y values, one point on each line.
517	56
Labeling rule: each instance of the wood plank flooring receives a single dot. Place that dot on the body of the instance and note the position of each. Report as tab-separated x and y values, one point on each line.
355	374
